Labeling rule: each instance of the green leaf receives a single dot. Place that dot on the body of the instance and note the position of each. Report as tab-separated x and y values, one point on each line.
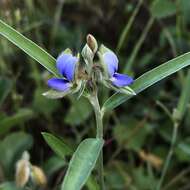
8	186
117	176
148	79
163	8
183	100
7	122
12	148
91	184
53	164
125	33
77	113
47	106
142	179
123	133
29	47
182	150
82	163
57	145
5	87
184	7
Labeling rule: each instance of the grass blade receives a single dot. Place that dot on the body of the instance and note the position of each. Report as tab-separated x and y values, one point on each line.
138	45
124	36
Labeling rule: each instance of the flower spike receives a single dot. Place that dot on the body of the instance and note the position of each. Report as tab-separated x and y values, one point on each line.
84	78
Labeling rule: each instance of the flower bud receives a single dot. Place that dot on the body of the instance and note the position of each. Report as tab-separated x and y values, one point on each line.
92	43
87	54
68	51
176	115
38	176
22	172
18	16
103	49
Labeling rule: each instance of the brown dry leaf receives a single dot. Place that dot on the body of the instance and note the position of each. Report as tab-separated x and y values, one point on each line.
154	160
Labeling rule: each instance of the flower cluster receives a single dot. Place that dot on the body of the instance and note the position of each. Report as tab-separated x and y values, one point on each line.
75	77
25	172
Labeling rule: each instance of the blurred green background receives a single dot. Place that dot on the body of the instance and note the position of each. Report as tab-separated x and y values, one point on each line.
144	33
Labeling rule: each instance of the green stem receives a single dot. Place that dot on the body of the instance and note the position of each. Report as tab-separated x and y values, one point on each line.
99	134
124	36
177	178
138	45
101	171
98	114
169	156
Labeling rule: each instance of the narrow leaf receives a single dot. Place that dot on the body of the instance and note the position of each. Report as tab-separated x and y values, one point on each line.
82	163
148	79
124	35
29	47
57	145
183	100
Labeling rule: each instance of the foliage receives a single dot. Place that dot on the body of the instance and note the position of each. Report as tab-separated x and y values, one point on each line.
138	133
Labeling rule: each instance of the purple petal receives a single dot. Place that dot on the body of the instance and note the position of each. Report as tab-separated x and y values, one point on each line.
66	65
111	61
121	80
61	62
59	84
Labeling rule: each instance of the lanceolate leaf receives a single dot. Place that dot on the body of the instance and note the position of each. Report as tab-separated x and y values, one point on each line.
148	79
29	47
82	163
57	145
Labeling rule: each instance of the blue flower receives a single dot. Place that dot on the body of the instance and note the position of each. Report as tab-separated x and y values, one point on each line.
66	65
117	79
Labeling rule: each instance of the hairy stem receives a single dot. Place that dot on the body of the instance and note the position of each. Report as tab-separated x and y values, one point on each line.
99	134
169	156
